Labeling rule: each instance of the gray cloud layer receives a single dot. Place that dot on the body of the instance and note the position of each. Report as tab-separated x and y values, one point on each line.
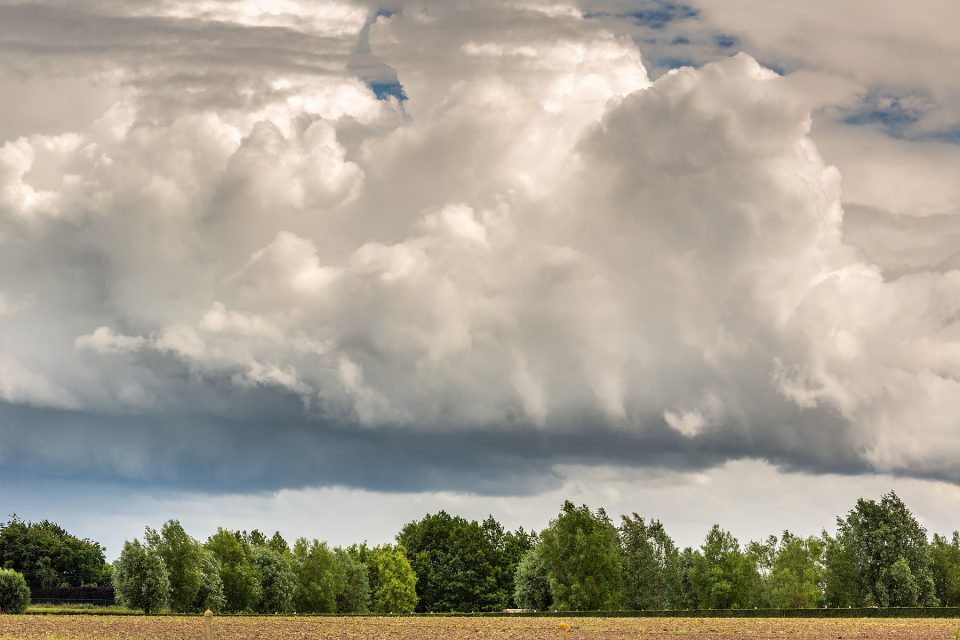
225	264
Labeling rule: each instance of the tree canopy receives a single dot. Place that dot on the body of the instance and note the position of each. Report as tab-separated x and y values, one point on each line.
462	565
140	578
49	557
890	552
582	552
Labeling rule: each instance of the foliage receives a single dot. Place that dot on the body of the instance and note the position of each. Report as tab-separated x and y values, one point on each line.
532	582
140	578
689	598
904	590
354	593
241	582
651	569
509	548
210	592
879	557
257	538
841	576
883	536
392	580
49	557
763	554
188	567
582	553
945	568
462	565
14	592
319	577
278	544
721	575
796	577
278	584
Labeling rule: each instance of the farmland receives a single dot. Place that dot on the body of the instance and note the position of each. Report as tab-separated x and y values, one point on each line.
95	627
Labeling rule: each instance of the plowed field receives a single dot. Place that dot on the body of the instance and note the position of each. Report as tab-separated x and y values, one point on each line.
91	627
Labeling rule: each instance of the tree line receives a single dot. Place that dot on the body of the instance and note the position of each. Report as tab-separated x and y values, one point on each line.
879	556
236	571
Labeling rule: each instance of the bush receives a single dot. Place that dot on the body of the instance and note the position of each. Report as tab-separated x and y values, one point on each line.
14	592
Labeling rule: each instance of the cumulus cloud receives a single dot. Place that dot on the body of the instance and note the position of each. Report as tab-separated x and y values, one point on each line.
887	79
541	256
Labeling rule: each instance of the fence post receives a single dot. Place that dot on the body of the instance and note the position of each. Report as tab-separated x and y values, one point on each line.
208	625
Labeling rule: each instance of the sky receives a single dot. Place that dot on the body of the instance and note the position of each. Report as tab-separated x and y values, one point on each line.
326	267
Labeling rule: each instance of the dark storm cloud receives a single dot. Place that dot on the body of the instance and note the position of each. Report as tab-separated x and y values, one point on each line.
265	443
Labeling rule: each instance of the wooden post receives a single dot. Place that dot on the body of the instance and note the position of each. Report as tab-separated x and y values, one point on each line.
208	625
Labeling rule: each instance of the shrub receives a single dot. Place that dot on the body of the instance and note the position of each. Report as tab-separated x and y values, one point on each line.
14	592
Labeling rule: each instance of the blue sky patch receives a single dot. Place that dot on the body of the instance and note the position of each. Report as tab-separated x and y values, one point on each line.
673	62
725	41
385	89
891	113
655	14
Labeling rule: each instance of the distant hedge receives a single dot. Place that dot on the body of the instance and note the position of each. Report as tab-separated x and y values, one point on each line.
867	612
67	595
892	612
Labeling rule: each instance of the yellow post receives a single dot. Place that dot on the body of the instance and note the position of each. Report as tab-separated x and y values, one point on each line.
564	627
208	625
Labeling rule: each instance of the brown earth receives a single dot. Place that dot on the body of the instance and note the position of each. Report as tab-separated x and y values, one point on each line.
92	627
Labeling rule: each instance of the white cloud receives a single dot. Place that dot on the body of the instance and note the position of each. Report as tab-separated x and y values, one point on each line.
539	240
689	423
105	340
21	385
331	19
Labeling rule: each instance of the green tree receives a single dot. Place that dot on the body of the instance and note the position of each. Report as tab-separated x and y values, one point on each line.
532	582
509	547
278	584
763	555
842	581
689	596
651	569
723	576
457	563
945	568
210	591
393	584
582	553
278	544
903	588
140	578
14	592
49	557
241	583
796	579
319	577
181	556
354	593
880	535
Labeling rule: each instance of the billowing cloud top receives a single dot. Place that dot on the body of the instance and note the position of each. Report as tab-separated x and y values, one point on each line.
228	260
